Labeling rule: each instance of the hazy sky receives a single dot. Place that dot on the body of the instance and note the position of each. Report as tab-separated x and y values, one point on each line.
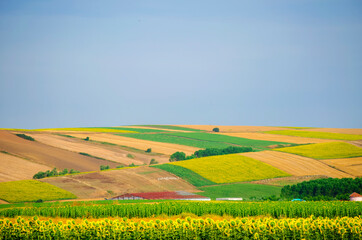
71	63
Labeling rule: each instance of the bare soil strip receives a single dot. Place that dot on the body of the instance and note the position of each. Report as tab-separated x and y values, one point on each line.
352	166
278	138
47	155
103	151
165	148
296	165
231	129
14	168
115	182
336	130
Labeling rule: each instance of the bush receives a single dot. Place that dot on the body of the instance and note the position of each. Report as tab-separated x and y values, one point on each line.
216	130
120	166
177	156
86	139
104	167
153	161
148	150
25	137
53	173
130	155
132	165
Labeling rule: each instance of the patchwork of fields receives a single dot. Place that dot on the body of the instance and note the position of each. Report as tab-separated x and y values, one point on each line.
321	135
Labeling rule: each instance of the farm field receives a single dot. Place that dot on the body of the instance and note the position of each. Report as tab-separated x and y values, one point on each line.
352	166
274	137
246	191
99	150
164	148
233	128
138	129
231	168
328	150
171	127
338	130
314	134
204	140
296	165
47	155
13	168
31	190
186	174
105	184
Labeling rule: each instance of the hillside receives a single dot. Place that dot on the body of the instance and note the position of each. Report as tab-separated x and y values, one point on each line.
276	159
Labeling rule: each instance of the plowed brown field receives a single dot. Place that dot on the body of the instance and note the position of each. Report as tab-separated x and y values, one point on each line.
47	155
113	153
352	166
165	148
233	128
116	182
278	138
13	168
296	165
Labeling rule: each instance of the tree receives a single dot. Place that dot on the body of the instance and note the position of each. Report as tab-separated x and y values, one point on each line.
177	156
148	150
86	139
216	130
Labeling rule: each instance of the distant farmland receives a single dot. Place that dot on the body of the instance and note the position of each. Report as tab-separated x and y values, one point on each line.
322	135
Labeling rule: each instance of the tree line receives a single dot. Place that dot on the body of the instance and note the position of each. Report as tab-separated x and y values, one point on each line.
180	156
53	173
323	189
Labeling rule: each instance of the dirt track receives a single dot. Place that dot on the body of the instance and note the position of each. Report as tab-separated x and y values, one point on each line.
165	148
14	168
296	165
115	182
47	155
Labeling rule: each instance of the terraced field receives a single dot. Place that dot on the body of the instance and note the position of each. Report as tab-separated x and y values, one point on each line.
231	168
31	190
352	166
296	165
157	147
115	182
328	150
315	134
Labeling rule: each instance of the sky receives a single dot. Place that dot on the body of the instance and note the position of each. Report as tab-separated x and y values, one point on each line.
84	63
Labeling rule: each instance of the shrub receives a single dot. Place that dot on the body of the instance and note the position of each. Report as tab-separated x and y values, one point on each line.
86	139
216	130
25	137
153	161
104	167
130	155
148	150
177	156
120	166
53	173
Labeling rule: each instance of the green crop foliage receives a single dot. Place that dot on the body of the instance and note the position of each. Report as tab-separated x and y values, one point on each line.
172	127
322	135
329	150
186	174
243	190
231	168
31	190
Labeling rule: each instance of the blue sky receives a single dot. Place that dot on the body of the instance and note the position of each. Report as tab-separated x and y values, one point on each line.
105	63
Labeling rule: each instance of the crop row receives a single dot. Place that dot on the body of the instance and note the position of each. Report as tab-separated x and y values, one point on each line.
235	209
189	228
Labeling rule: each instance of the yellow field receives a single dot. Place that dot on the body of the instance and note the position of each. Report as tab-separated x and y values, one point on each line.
296	165
314	134
13	168
328	150
70	130
277	138
338	130
158	147
231	168
31	190
352	166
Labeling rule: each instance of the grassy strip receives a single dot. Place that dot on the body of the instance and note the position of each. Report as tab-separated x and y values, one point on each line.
166	138
231	168
31	190
172	127
329	150
244	190
26	137
186	174
257	144
322	135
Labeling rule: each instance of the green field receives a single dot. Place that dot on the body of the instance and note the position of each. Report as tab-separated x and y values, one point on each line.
204	140
137	130
186	174
329	150
171	127
243	190
322	135
231	168
31	190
